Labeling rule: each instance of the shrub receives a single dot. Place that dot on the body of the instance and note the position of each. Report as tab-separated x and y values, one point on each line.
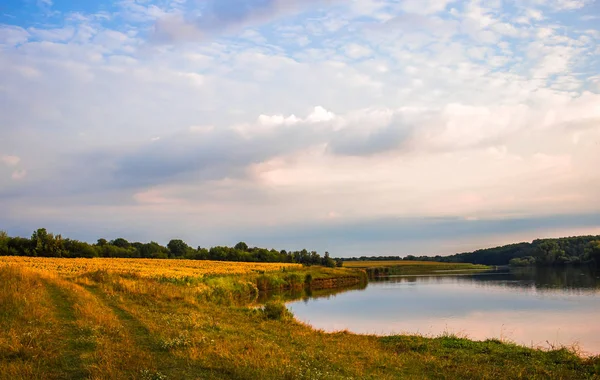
276	311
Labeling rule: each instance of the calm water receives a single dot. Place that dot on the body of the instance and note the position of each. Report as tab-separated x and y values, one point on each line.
532	307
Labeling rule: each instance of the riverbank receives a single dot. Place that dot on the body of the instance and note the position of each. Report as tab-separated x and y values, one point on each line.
403	268
105	324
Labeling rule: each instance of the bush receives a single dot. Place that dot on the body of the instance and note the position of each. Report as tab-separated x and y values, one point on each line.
294	281
522	262
276	311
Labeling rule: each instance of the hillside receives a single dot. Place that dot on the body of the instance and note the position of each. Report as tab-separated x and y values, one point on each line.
562	251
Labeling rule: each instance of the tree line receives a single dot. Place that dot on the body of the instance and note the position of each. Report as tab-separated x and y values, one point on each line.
543	252
45	244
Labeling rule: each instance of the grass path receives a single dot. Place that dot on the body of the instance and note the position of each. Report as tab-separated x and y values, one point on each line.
139	332
171	366
79	345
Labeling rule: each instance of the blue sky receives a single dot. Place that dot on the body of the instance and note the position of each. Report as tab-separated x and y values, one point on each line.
364	126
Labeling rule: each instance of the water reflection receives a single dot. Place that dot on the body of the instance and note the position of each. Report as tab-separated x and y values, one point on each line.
531	306
577	280
306	294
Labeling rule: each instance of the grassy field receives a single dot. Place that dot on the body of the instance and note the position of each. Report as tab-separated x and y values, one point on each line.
402	267
60	323
429	265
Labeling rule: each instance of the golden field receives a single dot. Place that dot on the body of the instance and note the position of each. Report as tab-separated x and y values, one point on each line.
141	267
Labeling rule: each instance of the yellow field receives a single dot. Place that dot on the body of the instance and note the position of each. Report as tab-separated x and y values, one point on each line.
142	267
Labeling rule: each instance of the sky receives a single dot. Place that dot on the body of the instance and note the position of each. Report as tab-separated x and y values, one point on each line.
361	127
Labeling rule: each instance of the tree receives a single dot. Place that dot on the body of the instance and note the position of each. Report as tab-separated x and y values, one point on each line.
328	261
121	243
76	248
101	242
45	244
19	246
522	261
177	247
595	252
4	243
200	254
38	238
315	258
549	253
153	250
241	246
217	253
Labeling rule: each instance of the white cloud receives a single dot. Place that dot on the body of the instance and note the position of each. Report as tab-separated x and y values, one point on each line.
320	114
53	35
356	51
343	112
569	4
12	35
425	6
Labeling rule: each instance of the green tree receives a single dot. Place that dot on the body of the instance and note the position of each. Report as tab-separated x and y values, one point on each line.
241	246
595	252
549	252
76	248
177	247
328	261
121	243
46	244
153	250
200	254
4	243
19	246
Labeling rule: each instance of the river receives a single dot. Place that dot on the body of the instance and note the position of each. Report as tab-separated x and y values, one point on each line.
535	307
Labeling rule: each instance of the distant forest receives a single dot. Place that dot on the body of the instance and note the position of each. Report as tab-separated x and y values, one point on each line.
45	244
545	252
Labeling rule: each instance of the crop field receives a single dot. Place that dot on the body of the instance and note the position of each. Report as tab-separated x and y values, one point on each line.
141	267
127	319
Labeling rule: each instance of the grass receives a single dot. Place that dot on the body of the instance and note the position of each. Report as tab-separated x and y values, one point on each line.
119	325
429	265
402	267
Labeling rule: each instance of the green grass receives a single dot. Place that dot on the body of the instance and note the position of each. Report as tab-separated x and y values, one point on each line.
146	328
402	267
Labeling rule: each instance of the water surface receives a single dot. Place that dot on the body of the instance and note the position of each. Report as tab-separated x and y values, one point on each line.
544	307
